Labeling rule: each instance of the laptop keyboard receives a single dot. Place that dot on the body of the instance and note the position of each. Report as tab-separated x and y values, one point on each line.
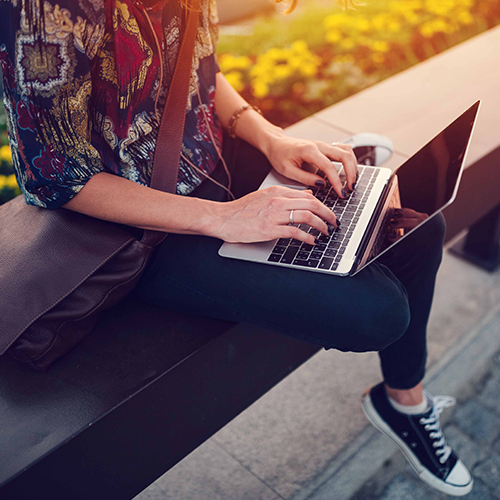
328	253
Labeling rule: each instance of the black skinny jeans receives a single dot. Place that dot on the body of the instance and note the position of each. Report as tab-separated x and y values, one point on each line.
383	308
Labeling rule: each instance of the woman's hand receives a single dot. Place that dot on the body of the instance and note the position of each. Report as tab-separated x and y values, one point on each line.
265	215
287	155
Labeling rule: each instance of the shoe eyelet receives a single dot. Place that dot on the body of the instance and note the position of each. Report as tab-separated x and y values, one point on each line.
404	434
434	444
427	427
422	421
442	461
413	445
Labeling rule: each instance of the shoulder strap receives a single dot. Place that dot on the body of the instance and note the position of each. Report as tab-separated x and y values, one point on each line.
169	140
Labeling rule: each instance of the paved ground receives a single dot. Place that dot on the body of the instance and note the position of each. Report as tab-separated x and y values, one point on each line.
307	438
473	431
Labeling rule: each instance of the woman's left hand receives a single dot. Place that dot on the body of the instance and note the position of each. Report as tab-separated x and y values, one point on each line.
287	154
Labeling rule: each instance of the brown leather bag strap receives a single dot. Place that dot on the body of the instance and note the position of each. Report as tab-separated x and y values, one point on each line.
169	140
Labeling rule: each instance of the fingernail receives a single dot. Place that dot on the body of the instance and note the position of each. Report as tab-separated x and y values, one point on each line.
357	175
393	222
338	223
353	186
316	241
320	183
343	193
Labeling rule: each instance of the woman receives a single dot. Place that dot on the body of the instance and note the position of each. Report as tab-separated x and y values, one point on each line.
83	120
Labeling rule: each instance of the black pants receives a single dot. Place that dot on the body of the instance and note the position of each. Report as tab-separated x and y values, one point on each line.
383	308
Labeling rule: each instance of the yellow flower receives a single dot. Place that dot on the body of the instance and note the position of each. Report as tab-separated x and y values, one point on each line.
347	44
380	46
11	181
333	36
228	62
260	88
282	71
300	46
234	78
427	30
5	154
363	24
308	69
465	17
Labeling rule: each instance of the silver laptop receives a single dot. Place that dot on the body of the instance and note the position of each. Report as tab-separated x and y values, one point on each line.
384	208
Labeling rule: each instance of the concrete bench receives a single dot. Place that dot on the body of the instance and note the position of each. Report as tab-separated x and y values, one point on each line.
149	385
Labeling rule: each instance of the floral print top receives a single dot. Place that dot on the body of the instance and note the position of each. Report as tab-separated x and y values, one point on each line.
82	91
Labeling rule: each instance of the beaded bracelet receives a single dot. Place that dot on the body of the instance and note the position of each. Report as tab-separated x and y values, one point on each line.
232	122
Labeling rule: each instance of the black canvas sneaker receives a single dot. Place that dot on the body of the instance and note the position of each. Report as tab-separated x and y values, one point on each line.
420	438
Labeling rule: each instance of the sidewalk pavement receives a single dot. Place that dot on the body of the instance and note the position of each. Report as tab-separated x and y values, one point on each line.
307	438
474	431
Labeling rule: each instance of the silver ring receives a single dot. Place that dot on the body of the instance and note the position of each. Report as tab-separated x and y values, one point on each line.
335	143
291	216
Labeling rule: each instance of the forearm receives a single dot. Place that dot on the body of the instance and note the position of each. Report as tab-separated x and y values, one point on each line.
116	199
251	126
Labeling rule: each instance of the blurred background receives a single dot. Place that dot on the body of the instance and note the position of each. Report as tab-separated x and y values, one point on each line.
293	65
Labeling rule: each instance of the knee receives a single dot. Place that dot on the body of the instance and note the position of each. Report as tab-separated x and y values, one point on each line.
382	319
428	240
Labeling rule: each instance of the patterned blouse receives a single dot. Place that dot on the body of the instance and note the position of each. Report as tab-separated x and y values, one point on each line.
82	91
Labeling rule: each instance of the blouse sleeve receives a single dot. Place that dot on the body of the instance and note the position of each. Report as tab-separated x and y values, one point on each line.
46	63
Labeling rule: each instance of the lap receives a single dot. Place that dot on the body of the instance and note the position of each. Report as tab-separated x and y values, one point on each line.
364	312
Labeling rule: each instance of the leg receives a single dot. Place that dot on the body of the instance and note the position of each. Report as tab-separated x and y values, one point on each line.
415	262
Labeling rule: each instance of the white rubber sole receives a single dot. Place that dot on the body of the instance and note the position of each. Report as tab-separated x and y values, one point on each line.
424	474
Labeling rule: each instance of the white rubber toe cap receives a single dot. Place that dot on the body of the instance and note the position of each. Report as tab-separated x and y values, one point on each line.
459	476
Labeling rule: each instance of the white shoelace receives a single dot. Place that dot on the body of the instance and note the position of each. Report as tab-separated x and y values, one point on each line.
432	424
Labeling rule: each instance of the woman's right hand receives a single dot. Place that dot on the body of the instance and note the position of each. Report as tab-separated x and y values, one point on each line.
265	215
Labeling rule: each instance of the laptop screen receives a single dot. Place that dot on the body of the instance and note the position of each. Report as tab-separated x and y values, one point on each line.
425	183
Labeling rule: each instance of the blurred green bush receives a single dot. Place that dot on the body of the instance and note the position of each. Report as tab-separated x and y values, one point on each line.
292	66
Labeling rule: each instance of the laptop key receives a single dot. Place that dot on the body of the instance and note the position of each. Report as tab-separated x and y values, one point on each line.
320	247
325	263
303	255
278	249
284	241
295	243
289	255
274	257
334	267
306	247
330	252
316	255
334	244
306	263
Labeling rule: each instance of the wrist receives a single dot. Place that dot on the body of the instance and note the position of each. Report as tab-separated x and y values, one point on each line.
213	219
267	137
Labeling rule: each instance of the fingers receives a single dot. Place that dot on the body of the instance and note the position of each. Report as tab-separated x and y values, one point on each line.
312	206
286	192
346	156
313	155
307	178
306	217
298	234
